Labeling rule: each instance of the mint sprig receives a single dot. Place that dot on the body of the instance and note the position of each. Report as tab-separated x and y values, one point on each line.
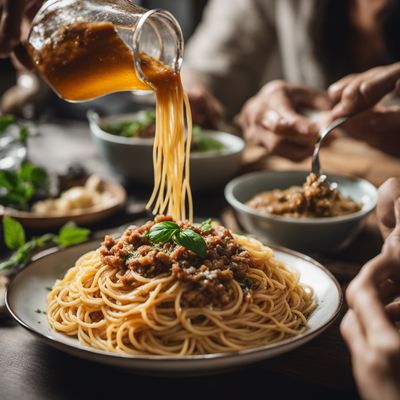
14	238
170	231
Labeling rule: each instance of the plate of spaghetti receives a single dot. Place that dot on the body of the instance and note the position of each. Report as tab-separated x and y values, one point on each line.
167	296
149	303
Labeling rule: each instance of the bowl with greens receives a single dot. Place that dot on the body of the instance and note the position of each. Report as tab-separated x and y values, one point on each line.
125	142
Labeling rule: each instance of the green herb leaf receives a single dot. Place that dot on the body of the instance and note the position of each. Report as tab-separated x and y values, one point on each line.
163	231
7	180
14	234
32	173
71	234
192	241
23	134
5	122
206	225
20	186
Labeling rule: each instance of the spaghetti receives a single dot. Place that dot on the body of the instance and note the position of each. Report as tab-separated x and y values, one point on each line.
111	305
134	296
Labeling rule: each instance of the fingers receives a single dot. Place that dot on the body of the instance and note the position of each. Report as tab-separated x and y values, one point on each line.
352	100
388	289
388	195
336	89
10	26
352	332
364	298
275	144
393	311
291	125
359	92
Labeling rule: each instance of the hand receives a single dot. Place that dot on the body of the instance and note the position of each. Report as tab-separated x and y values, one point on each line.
271	118
15	18
388	194
378	127
368	327
206	109
359	92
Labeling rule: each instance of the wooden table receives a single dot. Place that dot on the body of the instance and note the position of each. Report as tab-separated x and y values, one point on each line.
30	369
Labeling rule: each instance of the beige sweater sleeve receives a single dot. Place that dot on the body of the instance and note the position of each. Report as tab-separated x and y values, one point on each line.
230	48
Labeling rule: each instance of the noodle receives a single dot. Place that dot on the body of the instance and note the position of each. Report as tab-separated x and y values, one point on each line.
171	151
152	318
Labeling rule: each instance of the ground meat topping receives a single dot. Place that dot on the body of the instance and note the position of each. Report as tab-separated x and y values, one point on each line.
208	281
316	199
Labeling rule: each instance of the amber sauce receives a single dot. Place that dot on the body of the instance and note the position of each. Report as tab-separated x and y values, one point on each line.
87	60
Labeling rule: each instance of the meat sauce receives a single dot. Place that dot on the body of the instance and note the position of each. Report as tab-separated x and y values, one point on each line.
208	281
315	199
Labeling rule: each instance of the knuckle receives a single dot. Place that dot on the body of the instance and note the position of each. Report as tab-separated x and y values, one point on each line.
388	348
275	85
352	290
392	246
390	185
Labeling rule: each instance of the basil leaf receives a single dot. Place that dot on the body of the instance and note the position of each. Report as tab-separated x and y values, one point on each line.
206	225
5	122
191	241
162	232
14	234
71	234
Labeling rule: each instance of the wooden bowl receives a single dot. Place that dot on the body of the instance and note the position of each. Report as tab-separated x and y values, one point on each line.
82	217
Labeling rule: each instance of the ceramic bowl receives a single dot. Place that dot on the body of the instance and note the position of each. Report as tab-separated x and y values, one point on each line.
304	234
132	159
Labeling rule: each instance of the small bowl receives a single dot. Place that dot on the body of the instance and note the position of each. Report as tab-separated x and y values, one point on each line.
82	216
329	234
132	158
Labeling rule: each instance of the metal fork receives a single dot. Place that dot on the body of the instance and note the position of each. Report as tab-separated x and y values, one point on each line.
315	165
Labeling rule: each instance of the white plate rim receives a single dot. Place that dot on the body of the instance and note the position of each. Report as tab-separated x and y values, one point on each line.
257	351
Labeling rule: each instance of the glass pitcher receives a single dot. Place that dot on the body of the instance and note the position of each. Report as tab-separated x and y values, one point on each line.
88	48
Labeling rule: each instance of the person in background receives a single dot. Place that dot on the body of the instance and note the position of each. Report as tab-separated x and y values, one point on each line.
369	327
268	60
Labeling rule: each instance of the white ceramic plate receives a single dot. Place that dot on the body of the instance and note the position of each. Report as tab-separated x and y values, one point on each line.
27	295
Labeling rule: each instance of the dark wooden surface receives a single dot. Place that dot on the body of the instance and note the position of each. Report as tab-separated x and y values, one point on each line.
30	369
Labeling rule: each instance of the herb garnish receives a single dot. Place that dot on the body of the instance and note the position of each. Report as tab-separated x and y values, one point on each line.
167	230
14	238
206	225
18	187
8	120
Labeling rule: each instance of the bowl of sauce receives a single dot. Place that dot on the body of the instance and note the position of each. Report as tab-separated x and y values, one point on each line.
301	211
